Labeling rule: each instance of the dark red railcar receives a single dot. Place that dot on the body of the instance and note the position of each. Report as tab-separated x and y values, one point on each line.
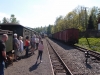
72	35
69	36
64	36
60	38
57	36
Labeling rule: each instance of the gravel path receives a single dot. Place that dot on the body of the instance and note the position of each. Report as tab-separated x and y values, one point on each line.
76	61
28	66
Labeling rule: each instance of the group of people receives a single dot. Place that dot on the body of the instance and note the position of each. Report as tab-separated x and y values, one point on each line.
35	43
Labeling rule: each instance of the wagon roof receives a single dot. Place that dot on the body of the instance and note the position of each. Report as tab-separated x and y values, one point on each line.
17	25
65	29
29	28
9	24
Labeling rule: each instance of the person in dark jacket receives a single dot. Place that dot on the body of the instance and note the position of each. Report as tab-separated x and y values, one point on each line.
3	57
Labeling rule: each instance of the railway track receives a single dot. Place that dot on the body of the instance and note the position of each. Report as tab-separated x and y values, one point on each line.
59	67
91	53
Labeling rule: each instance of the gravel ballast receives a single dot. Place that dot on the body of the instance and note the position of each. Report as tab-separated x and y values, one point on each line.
75	60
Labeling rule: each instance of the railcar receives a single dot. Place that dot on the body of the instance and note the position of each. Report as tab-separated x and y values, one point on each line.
19	29
69	36
43	35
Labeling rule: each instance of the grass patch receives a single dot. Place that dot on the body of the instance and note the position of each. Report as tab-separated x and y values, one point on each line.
94	43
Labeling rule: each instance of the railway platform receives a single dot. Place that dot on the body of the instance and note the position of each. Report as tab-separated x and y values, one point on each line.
73	58
28	66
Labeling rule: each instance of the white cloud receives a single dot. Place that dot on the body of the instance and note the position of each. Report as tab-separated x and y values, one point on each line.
2	15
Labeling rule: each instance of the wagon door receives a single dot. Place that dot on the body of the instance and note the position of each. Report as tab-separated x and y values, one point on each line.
64	36
69	35
76	35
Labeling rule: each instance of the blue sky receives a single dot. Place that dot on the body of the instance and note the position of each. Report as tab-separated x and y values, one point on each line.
36	13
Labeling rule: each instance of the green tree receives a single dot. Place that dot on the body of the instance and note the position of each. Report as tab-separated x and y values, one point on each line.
94	12
79	18
13	19
90	23
49	29
5	20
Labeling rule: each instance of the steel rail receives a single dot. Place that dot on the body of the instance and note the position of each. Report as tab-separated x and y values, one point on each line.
65	66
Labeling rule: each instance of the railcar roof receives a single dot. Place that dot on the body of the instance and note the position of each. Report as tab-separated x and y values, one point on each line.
17	25
9	24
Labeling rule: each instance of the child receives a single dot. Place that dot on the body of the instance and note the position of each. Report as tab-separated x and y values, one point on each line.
40	50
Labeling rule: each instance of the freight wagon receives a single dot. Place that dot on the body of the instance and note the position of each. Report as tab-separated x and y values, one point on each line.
69	36
19	29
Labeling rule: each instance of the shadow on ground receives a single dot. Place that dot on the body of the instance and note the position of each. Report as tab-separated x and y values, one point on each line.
35	66
88	66
63	45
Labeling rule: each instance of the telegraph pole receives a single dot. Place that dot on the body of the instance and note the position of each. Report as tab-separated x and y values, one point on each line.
86	18
86	26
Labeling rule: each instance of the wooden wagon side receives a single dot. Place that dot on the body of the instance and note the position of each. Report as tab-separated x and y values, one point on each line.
9	43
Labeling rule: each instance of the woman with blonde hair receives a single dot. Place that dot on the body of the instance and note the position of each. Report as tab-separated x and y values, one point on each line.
20	44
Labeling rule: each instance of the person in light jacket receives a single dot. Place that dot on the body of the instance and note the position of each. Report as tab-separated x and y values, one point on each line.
37	42
40	50
21	45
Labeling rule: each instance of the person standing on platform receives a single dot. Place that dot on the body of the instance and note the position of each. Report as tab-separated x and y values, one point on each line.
40	38
3	57
40	51
27	44
16	46
33	44
21	45
37	42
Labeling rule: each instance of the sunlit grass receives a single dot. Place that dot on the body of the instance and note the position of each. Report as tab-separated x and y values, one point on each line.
94	43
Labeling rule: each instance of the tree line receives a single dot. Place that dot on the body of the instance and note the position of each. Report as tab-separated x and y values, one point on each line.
12	19
81	18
